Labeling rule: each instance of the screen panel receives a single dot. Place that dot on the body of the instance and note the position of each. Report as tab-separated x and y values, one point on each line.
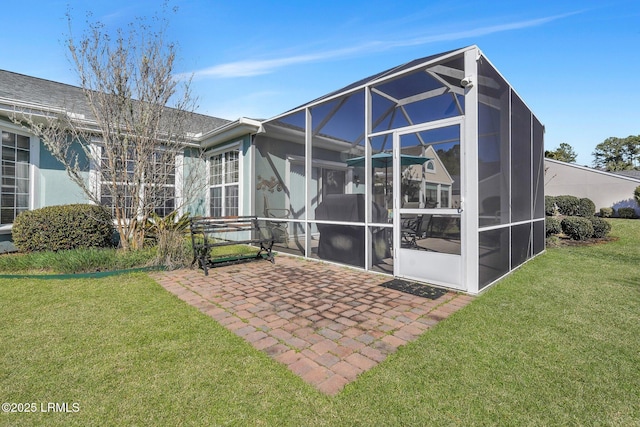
520	160
494	255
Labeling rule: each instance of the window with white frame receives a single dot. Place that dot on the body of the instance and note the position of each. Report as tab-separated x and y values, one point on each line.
430	166
445	191
224	175
163	183
15	176
158	192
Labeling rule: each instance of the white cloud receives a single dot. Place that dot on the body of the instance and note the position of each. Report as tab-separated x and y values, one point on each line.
477	32
254	68
257	67
251	68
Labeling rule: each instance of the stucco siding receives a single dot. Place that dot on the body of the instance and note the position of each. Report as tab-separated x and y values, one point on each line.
55	186
604	189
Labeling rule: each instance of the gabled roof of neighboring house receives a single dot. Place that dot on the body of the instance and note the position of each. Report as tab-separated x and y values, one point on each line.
625	176
18	88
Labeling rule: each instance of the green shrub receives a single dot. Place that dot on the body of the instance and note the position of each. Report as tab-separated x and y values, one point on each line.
577	228
600	227
585	208
567	205
552	225
606	212
552	241
156	224
636	195
627	213
549	205
55	228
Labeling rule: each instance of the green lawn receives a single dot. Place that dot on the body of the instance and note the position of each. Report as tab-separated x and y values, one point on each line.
556	343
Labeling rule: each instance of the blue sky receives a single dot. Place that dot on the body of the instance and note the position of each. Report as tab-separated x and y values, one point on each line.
575	63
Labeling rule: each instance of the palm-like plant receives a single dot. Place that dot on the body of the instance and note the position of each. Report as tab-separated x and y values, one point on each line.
156	224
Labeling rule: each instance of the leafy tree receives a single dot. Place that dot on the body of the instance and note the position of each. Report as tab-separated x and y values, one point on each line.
139	120
617	154
564	153
636	195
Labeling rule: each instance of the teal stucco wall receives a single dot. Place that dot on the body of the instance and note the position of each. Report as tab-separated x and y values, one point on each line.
194	174
55	186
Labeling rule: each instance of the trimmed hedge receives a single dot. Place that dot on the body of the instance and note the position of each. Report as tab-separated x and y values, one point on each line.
570	206
549	205
600	227
55	228
585	208
606	212
577	228
552	225
628	213
567	205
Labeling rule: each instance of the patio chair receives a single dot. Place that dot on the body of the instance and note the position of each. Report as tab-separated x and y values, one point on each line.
279	229
411	229
415	228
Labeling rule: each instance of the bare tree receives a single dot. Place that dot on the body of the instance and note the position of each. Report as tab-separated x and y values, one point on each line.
137	127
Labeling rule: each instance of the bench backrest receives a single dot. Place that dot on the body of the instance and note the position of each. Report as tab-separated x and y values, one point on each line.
232	228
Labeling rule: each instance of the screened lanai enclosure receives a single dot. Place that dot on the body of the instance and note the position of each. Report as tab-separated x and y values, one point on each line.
430	171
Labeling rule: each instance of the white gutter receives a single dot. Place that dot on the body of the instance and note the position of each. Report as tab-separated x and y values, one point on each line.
241	127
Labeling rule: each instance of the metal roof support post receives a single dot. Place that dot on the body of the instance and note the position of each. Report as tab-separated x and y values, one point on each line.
469	175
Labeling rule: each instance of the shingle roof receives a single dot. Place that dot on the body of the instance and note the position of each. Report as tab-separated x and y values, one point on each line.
34	90
630	173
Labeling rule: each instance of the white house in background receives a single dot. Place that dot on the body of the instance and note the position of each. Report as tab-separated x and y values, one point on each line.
605	189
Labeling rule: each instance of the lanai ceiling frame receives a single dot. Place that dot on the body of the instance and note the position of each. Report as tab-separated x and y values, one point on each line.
377	79
355	147
447	77
436	72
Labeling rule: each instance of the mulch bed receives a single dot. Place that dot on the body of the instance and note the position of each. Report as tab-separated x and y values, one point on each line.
562	241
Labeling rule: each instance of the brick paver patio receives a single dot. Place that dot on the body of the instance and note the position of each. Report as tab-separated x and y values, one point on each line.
327	323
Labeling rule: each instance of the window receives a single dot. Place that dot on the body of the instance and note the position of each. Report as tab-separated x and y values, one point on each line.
431	195
224	174
15	176
163	183
444	196
108	198
333	182
430	166
158	192
122	196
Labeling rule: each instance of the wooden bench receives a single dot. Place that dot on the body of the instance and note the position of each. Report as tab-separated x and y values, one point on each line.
208	233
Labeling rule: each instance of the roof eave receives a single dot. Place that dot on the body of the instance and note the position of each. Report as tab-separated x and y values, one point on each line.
238	128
